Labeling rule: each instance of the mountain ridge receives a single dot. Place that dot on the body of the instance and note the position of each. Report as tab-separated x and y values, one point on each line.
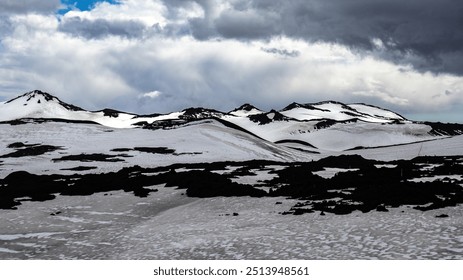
36	94
327	125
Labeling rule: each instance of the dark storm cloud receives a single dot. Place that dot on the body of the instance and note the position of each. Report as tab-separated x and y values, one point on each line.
100	28
28	6
425	33
282	52
246	24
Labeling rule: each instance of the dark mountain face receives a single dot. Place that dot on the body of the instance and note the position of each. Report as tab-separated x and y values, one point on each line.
199	113
447	129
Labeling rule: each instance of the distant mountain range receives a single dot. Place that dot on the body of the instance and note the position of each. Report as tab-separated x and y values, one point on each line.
315	127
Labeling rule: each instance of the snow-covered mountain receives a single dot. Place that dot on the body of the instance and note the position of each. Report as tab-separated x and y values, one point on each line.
41	105
324	126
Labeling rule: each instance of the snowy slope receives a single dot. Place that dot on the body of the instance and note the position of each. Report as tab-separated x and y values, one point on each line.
436	147
376	111
340	112
335	136
201	141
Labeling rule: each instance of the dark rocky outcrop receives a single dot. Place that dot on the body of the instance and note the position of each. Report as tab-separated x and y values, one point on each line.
24	150
151	150
365	188
91	158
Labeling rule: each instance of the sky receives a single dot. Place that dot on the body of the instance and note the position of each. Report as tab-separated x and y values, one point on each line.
159	56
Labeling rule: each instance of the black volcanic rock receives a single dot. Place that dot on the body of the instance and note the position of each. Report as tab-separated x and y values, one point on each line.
147	116
442	216
81	168
309	106
14	122
151	150
266	118
16	145
23	150
446	129
345	161
44	187
110	113
366	189
352	114
162	124
91	158
207	184
199	113
245	107
325	123
381	208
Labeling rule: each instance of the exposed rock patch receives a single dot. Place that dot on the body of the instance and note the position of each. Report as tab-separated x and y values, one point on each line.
359	186
92	158
24	150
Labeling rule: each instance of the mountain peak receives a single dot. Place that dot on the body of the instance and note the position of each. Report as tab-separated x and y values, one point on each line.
292	106
246	110
194	113
40	97
246	107
40	93
35	94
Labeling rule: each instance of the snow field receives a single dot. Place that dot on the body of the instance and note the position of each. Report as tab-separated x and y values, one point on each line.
169	225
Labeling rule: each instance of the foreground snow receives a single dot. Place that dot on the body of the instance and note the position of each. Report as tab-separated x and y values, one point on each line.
169	225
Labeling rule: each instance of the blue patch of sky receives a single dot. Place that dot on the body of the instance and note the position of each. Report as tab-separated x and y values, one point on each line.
83	5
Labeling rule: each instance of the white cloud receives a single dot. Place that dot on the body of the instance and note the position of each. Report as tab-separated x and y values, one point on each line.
219	73
151	94
378	44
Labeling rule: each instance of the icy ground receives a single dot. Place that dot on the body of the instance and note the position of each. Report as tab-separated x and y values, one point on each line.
169	225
